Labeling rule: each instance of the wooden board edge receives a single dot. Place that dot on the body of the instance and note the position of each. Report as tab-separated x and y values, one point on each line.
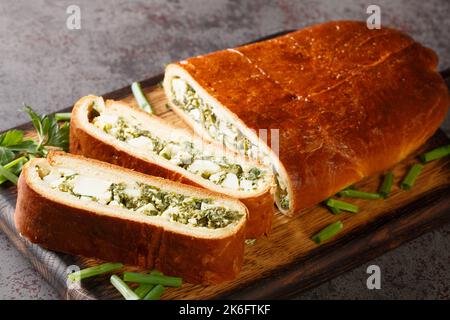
38	257
25	248
402	225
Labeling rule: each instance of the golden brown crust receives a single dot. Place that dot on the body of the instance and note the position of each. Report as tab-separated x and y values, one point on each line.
83	142
61	227
348	101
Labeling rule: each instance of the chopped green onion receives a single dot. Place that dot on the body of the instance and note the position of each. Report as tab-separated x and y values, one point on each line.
10	165
411	177
334	210
342	205
123	288
140	97
62	116
328	232
94	271
435	154
350	193
155	293
152	279
386	186
143	289
14	162
8	175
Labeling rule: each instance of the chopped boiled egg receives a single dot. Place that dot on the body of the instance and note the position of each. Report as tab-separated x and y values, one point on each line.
105	119
179	88
196	114
205	206
215	178
170	211
141	142
91	187
54	179
132	192
148	206
182	157
204	166
228	131
246	184
231	181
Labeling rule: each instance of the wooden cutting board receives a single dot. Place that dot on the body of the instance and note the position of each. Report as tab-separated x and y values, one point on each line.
287	261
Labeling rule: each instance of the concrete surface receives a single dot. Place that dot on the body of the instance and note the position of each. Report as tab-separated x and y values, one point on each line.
49	67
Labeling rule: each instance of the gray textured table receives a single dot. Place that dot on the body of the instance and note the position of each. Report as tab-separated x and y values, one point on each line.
49	67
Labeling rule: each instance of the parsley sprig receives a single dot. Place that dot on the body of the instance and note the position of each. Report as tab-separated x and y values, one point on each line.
16	149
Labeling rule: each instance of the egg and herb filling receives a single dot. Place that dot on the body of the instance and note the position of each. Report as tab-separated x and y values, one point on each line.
141	198
219	170
223	131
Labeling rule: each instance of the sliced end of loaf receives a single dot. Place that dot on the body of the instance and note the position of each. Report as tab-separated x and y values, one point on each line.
80	120
103	171
177	71
65	223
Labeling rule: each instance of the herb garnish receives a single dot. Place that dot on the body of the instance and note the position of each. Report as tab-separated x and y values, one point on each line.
15	149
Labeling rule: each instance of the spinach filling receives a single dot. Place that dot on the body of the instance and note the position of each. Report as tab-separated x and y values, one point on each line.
217	169
221	130
148	200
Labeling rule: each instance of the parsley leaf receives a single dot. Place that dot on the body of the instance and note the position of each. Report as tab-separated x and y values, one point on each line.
15	150
28	146
59	136
36	120
48	130
6	155
11	137
7	139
